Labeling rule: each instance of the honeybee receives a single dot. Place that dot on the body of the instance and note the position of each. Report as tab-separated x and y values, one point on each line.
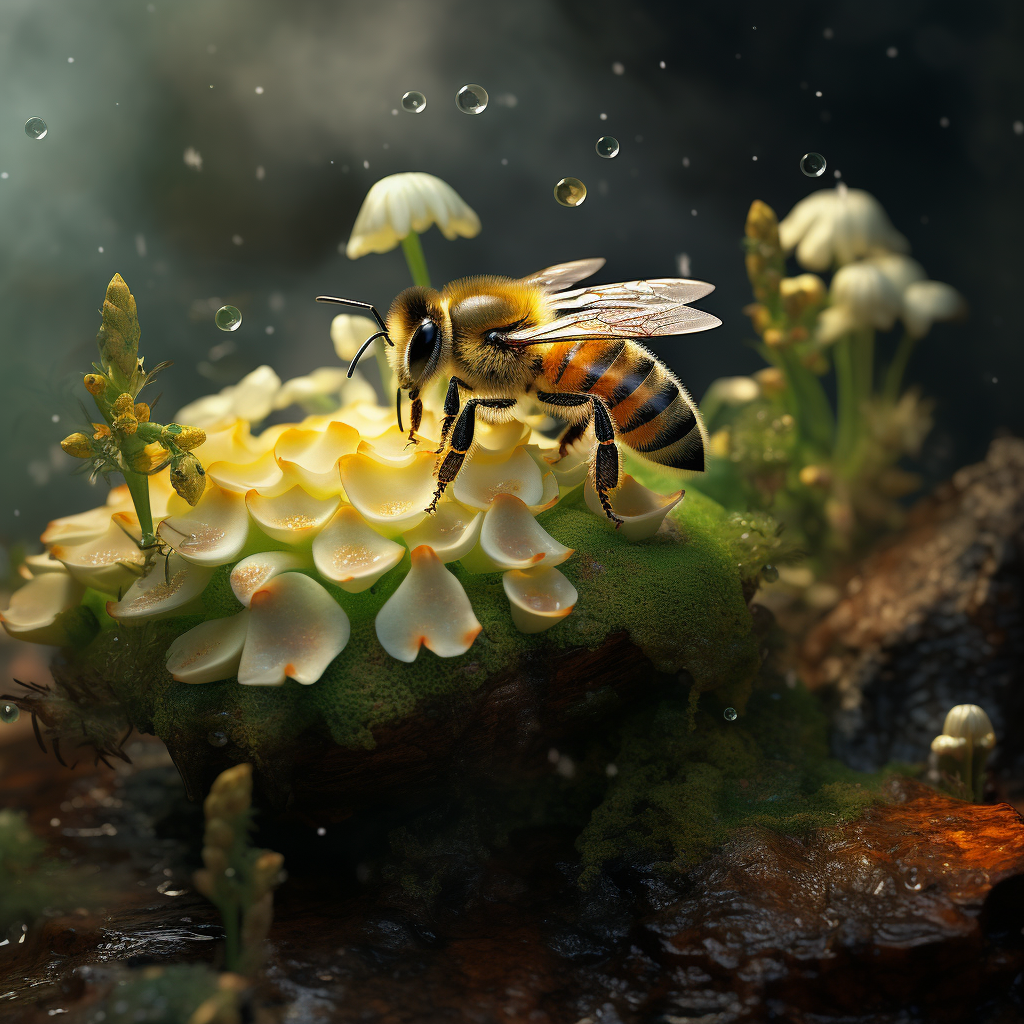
499	341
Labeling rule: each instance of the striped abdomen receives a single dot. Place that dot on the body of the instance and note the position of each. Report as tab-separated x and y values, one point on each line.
652	411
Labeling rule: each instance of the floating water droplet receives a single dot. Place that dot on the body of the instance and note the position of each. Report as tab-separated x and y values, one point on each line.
228	318
471	99
217	739
812	164
415	102
769	574
35	128
570	192
730	714
607	146
9	713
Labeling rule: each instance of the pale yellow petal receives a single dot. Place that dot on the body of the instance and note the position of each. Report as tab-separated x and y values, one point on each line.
109	563
538	598
212	533
351	554
36	565
251	573
34	608
484	475
391	498
170	584
296	629
512	539
262	474
310	457
451	532
293	517
641	510
81	527
209	652
393	448
429	609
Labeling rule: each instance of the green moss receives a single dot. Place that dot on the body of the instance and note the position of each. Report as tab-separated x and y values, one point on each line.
679	595
679	792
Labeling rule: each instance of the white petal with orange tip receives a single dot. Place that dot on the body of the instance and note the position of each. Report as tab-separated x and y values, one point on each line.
512	539
641	510
79	528
209	652
348	552
539	598
169	585
428	609
296	629
251	573
110	562
34	608
212	533
391	498
310	457
451	532
262	474
484	475
293	517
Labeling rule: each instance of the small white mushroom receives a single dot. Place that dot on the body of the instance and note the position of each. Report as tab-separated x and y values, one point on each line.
641	510
212	533
34	608
296	629
484	475
251	573
511	538
111	562
209	652
262	474
351	554
538	598
310	457
391	498
451	532
429	609
169	585
293	517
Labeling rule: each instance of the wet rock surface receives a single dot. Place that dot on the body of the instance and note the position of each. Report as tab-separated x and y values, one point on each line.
911	913
933	620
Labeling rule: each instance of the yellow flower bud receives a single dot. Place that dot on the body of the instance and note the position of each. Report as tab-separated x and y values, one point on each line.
95	383
216	861
124	405
188	478
720	443
127	424
265	872
762	224
801	293
102	431
141	412
774	337
219	833
147	460
78	445
772	381
759	315
815	476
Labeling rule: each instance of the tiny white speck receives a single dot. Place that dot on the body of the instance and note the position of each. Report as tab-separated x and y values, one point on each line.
394	111
261	173
237	239
943	122
604	117
151	8
995	380
17	512
828	33
686	161
71	60
321	831
693	213
387	145
366	165
504	161
54	822
269	329
754	158
1018	127
211	48
837	173
611	770
55	418
818	94
259	90
618	68
100	249
4	175
892	52
737	56
661	64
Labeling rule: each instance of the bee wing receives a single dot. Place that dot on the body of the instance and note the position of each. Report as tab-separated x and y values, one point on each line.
632	309
554	279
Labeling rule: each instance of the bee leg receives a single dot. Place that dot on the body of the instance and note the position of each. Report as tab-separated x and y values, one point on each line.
462	441
415	414
572	434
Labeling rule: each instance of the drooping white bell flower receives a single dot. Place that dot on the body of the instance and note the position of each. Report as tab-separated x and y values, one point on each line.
348	332
252	399
925	302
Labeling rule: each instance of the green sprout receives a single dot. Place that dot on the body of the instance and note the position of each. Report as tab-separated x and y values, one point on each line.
126	440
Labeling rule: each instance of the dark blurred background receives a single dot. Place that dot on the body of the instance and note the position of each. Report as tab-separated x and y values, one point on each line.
291	108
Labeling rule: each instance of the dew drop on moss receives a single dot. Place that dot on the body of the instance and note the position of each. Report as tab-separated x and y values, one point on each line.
9	712
769	574
570	192
228	318
217	739
414	102
730	714
471	99
607	146
35	128
812	164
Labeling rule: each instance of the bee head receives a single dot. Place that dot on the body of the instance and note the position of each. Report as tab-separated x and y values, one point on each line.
419	326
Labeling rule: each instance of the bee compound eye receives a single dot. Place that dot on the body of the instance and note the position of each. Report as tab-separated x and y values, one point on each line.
421	348
494	337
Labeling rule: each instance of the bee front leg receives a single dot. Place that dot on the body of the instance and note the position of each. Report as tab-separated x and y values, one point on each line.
415	413
451	410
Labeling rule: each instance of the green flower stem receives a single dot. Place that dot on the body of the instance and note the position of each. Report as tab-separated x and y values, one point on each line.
138	487
809	403
898	367
847	400
416	260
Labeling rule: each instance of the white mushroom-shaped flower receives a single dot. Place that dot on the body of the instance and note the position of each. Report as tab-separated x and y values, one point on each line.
429	609
252	399
210	651
924	302
348	332
111	562
296	629
641	510
34	609
351	554
169	585
402	203
451	532
835	226
250	574
391	498
539	598
511	538
212	533
293	517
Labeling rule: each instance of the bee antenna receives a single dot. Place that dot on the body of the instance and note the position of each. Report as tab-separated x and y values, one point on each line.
398	410
362	348
358	305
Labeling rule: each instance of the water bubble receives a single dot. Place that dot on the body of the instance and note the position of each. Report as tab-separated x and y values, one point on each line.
812	164
9	713
415	102
730	714
471	99
570	192
35	128
228	318
607	146
769	574
217	739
